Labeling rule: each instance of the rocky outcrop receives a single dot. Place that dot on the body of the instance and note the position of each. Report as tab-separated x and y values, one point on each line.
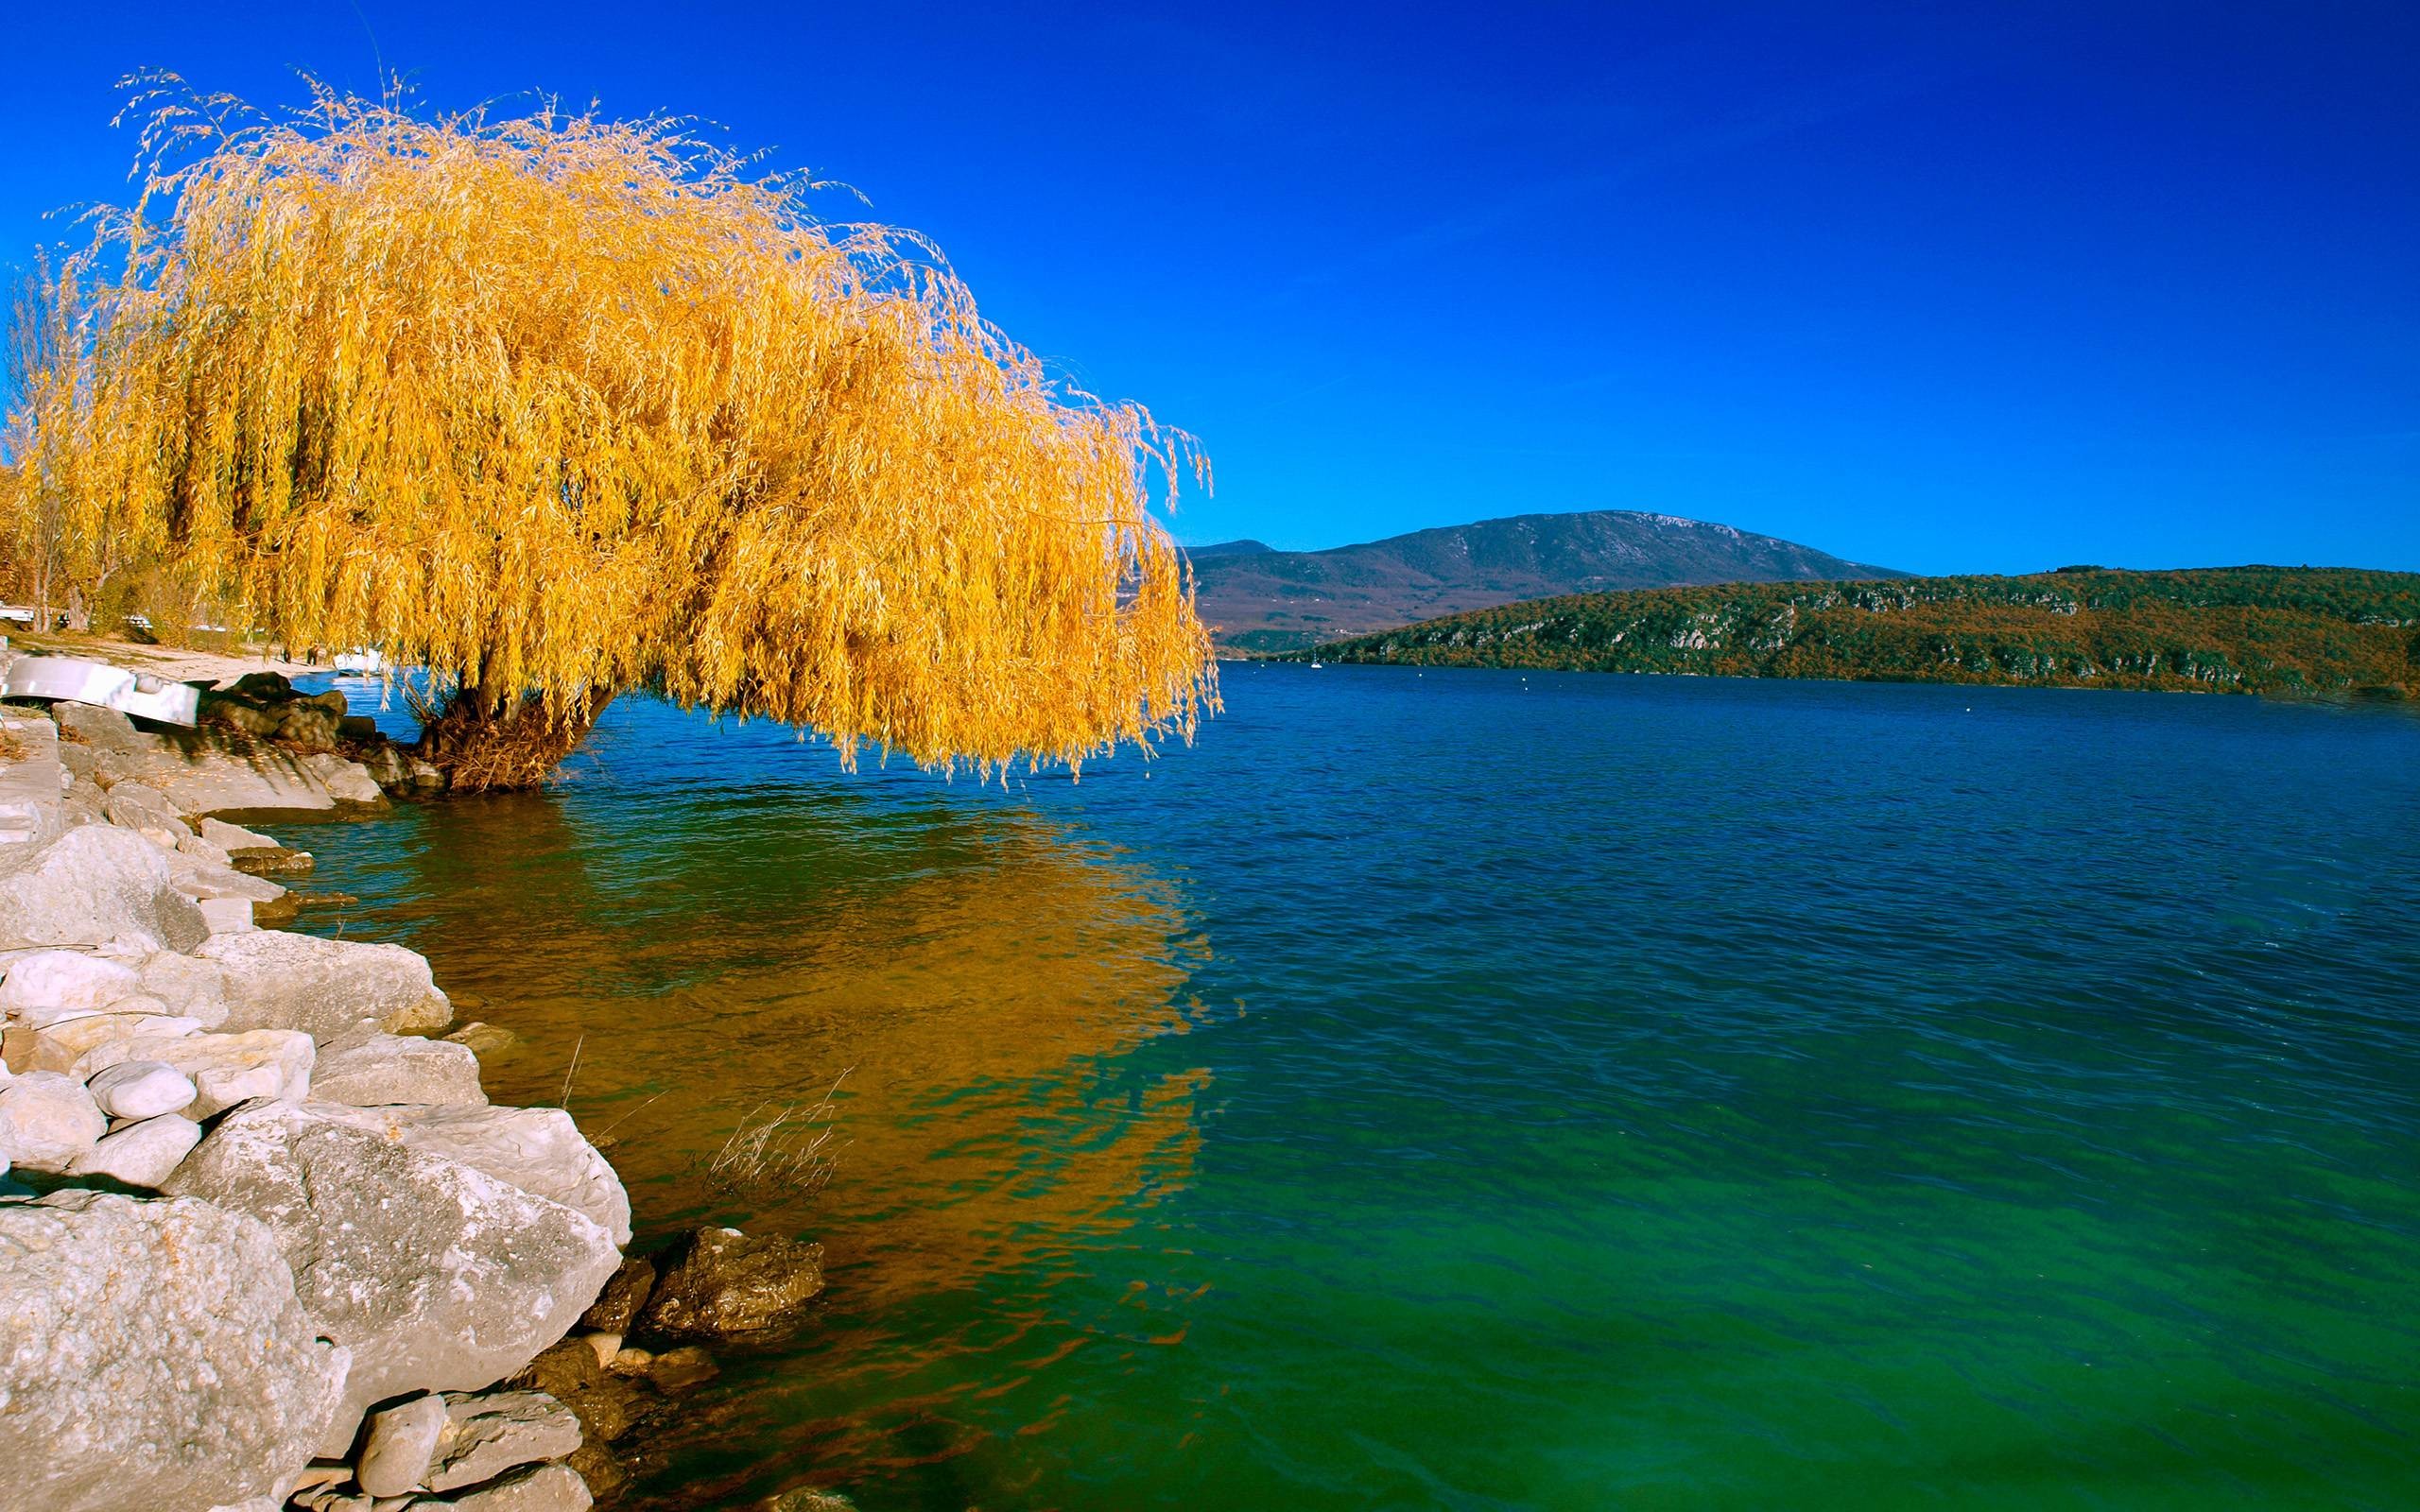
325	987
173	1353
155	1357
437	1275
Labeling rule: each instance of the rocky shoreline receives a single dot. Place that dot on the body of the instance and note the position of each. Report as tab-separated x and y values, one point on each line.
263	1240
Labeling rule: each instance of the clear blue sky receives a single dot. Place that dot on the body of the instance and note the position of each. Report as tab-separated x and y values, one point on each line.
1952	289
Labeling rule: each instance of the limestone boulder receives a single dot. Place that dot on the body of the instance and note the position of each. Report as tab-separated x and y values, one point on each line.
190	988
47	987
398	1443
66	1046
488	1435
325	987
156	1357
438	1276
92	884
141	1089
538	1149
226	1068
144	808
719	1283
233	836
140	1155
96	727
46	1121
372	1069
539	1488
203	881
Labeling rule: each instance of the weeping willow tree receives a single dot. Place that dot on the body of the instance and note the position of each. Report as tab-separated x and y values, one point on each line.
556	406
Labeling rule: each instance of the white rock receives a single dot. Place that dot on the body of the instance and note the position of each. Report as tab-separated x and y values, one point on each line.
373	1070
227	1069
486	1436
203	850
399	1444
347	781
203	882
92	884
233	837
327	987
66	1046
141	1089
227	915
47	1120
140	1155
192	989
538	1149
439	1275
156	1358
539	1488
47	987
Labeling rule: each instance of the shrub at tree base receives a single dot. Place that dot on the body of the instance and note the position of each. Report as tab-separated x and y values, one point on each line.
557	406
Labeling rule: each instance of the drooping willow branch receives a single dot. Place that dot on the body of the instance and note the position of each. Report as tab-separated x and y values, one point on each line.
554	406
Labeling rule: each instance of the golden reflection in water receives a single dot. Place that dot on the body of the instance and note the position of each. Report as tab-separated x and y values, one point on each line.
971	969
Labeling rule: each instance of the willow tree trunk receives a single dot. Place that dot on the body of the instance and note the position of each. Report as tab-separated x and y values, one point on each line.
486	740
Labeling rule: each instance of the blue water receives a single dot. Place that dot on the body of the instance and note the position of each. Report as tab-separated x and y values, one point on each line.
1475	1091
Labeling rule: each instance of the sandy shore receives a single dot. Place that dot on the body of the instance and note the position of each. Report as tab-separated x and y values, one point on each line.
183	664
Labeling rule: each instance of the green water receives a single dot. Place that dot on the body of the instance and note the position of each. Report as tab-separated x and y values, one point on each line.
1468	1091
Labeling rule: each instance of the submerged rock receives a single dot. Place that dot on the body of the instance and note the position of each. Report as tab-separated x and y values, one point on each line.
719	1283
618	1306
439	1275
156	1357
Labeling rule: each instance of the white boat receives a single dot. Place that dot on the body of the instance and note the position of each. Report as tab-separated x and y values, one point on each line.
366	660
76	679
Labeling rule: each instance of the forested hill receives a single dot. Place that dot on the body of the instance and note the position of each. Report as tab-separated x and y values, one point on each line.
2243	630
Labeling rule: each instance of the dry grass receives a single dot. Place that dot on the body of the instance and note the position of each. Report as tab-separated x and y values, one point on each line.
789	1150
556	405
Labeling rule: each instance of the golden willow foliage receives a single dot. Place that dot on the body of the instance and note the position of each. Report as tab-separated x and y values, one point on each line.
558	407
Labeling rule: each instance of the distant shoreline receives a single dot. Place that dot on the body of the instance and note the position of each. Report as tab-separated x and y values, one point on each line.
2295	632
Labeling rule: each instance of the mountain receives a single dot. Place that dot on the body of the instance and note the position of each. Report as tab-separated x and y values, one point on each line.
2236	630
1264	600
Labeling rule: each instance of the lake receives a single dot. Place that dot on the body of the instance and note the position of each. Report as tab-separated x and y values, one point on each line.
1465	1091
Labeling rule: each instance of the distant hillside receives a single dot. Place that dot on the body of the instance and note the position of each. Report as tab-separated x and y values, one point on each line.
1230	548
2243	630
1263	600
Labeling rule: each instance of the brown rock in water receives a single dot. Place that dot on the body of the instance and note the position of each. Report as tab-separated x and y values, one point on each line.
614	1310
720	1283
270	860
681	1369
599	1466
608	1406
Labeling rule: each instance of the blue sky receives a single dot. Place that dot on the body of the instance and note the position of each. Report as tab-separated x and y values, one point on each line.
1952	289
